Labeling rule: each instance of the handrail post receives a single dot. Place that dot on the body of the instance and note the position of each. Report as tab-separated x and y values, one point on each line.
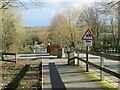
101	65
77	56
68	58
15	57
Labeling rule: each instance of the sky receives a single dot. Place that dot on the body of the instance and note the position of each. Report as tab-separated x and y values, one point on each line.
41	13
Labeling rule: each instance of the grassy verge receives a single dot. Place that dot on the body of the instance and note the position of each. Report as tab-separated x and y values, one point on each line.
102	82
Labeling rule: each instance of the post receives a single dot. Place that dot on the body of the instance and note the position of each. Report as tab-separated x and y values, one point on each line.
101	65
72	62
15	57
2	57
68	57
87	68
77	56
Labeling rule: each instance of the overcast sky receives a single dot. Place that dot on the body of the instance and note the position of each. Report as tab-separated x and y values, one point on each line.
41	15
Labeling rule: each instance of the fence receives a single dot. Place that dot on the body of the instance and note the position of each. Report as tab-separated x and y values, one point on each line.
71	61
3	55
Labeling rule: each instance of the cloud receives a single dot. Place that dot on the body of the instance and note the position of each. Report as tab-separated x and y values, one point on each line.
75	5
43	14
59	0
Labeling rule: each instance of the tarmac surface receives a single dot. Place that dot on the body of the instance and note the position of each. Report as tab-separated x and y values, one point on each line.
56	73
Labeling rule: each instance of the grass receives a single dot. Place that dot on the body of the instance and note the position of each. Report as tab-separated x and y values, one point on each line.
92	76
26	50
40	84
23	85
108	85
102	82
16	81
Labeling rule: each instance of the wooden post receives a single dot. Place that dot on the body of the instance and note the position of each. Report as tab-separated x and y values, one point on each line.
68	58
72	62
15	57
101	65
78	57
2	57
87	67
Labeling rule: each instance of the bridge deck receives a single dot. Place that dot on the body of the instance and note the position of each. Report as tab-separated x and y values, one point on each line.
57	74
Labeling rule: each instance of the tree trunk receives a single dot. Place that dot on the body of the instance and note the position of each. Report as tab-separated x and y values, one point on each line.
118	27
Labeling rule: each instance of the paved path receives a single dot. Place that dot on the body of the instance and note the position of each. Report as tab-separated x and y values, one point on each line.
57	74
110	64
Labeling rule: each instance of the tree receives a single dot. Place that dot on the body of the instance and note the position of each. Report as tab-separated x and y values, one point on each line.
91	18
112	4
12	29
64	29
113	7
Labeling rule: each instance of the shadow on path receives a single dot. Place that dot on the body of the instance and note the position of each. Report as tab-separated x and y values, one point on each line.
56	80
16	81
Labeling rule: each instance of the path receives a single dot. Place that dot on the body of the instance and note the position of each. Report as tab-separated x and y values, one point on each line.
113	65
57	74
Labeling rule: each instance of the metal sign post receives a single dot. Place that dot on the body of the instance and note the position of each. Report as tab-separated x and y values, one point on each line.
87	37
87	58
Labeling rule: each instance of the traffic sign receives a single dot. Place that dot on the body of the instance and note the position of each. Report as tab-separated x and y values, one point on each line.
88	35
88	42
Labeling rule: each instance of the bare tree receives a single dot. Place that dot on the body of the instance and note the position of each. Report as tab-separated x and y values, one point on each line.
112	4
64	29
91	18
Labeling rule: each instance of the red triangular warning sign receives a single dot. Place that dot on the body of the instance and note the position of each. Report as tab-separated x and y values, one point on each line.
88	35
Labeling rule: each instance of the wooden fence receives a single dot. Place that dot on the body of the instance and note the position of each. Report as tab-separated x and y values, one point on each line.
71	61
4	57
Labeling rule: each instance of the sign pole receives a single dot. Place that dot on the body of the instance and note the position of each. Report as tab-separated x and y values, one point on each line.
88	37
87	69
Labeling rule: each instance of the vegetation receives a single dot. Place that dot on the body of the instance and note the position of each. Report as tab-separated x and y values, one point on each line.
64	30
11	29
94	77
27	50
36	35
68	27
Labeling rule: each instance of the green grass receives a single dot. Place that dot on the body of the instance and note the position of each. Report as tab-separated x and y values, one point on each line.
40	84
108	85
92	76
17	79
27	50
22	85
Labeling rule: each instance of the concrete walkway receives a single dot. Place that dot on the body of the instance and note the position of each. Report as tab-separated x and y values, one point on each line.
57	74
